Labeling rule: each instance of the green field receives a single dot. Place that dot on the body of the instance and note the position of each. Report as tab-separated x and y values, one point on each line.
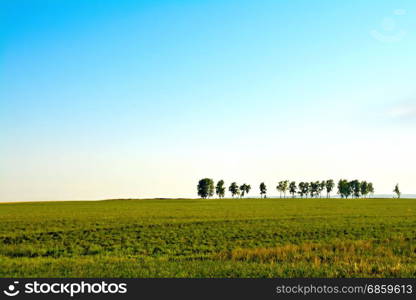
209	238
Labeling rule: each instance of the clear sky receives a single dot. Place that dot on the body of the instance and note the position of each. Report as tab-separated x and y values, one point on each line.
105	99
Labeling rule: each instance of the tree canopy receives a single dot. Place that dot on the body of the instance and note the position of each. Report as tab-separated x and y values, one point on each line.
220	189
346	189
206	188
234	189
397	191
263	190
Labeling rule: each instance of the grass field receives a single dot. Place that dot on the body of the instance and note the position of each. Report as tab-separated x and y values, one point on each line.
209	238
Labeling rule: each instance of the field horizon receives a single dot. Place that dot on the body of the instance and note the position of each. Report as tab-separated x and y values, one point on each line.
375	196
194	238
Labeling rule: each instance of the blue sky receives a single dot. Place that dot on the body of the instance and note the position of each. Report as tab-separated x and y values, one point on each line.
102	99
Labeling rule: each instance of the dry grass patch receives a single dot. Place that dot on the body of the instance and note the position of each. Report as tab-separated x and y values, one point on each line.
355	252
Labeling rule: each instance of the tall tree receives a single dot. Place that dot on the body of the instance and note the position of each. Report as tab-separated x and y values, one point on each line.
282	187
364	188
314	188
206	188
285	187
329	185
306	188
248	188
220	189
303	189
242	190
344	188
322	185
397	191
292	188
311	189
263	190
356	188
370	188
234	189
279	188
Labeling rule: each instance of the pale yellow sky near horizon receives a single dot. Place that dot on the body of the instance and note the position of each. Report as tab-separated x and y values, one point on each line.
120	173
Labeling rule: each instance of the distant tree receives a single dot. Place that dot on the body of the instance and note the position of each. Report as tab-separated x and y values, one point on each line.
311	189
285	187
282	187
322	185
370	188
397	191
303	189
244	189
329	185
248	188
234	189
355	187
364	188
306	188
314	188
292	188
279	187
344	188
220	189
317	188
263	190
206	188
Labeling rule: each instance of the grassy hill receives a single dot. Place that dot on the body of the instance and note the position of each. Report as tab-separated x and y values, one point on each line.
209	238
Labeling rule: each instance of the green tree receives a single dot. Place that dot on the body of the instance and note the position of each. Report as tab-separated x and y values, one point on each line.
397	191
292	188
355	188
344	188
279	188
370	188
314	188
220	189
321	188
282	187
263	190
248	188
234	189
306	188
285	187
206	188
303	189
364	188
311	189
329	185
244	189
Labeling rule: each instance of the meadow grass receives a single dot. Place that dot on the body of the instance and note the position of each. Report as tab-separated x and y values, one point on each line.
209	238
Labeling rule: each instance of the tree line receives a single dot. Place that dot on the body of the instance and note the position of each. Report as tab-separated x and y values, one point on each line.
355	188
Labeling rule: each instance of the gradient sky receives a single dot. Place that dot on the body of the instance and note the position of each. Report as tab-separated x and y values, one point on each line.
107	99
